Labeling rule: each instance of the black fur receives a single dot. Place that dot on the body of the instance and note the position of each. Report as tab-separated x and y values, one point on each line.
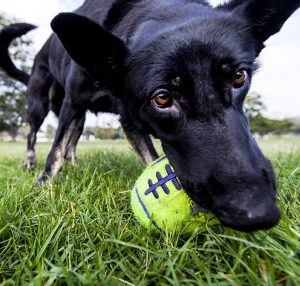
118	11
126	53
7	35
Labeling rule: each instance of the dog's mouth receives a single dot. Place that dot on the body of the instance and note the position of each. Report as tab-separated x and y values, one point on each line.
249	222
260	218
248	213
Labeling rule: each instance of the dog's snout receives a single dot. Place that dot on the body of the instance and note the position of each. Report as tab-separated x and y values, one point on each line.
258	217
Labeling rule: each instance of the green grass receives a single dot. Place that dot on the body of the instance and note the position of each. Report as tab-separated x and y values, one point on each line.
80	230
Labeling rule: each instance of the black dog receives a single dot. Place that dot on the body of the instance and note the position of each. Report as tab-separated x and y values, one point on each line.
177	69
45	93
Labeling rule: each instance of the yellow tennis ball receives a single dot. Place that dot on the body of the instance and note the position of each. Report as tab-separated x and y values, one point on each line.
159	202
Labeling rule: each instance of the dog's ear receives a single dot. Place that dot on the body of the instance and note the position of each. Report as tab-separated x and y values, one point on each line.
99	52
266	17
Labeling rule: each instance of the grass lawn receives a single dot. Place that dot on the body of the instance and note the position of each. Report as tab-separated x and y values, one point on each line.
80	230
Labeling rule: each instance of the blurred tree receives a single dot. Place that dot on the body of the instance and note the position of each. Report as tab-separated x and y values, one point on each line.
13	94
253	105
263	125
108	133
254	108
104	133
87	133
12	107
23	131
119	133
296	125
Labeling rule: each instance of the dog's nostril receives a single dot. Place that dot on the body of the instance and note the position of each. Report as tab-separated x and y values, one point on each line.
227	211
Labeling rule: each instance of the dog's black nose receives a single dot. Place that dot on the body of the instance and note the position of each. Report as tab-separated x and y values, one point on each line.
259	217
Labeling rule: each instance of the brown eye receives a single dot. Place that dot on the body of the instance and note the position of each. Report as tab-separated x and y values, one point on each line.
239	78
162	99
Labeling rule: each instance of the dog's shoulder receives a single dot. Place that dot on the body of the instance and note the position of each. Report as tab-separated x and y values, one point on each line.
120	8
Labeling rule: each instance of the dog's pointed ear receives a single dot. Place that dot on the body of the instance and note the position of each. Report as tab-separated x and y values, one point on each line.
99	52
265	17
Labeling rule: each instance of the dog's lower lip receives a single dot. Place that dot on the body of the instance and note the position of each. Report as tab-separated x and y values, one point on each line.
246	223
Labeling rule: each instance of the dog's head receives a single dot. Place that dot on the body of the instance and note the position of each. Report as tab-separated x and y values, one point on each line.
185	81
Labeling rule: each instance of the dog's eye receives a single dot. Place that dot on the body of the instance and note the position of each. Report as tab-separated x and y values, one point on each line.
239	78
162	99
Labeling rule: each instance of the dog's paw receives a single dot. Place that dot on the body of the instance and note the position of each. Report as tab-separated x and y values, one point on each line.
43	181
30	161
29	165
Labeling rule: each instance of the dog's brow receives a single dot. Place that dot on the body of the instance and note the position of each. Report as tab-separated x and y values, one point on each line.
177	81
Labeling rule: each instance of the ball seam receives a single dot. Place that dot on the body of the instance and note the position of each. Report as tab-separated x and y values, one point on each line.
144	208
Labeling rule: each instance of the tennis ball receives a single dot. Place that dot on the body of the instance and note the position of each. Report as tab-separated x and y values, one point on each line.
159	202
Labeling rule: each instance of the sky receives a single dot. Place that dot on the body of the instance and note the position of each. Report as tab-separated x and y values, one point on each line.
278	79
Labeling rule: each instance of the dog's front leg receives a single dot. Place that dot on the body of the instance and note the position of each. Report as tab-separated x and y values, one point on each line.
67	133
141	143
70	154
